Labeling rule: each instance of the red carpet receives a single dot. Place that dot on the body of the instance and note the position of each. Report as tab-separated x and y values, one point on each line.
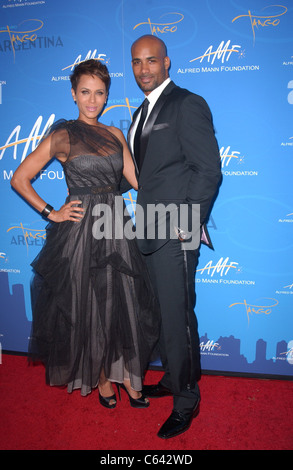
236	414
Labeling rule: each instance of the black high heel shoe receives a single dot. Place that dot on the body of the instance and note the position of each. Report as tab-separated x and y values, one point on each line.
105	401
141	402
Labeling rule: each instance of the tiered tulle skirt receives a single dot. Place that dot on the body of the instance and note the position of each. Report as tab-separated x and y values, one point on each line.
93	306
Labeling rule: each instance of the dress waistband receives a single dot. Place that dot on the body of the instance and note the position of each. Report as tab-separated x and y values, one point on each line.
109	188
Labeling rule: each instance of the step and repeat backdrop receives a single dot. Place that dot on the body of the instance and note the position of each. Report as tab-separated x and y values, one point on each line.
237	54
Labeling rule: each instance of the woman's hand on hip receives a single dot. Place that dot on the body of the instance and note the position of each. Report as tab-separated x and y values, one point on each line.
68	211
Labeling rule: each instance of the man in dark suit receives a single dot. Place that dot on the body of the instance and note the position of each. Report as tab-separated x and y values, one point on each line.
178	165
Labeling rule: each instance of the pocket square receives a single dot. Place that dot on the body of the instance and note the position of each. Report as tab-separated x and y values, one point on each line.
163	125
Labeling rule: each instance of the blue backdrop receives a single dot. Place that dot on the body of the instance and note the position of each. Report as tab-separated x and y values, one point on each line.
237	54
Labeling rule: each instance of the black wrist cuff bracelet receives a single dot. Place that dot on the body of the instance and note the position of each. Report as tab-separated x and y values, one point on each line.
46	211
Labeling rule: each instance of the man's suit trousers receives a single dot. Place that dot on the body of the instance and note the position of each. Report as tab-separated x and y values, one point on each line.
172	272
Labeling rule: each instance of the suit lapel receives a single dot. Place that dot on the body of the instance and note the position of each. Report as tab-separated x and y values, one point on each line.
150	121
149	125
133	121
135	114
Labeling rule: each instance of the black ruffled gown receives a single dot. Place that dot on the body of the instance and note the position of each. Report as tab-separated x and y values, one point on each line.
93	305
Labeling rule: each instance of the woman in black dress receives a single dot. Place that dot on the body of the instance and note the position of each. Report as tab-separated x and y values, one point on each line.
95	318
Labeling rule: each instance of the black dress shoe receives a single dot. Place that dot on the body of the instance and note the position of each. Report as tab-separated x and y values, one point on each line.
156	391
177	423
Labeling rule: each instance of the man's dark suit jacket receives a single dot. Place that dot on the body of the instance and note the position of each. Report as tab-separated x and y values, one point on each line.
181	161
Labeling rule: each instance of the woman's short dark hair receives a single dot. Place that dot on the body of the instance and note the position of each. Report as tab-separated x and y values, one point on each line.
90	67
